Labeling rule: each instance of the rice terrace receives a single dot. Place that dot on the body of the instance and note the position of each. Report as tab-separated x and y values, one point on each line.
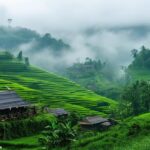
74	75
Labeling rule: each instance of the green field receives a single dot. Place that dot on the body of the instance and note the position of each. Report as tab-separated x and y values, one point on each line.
121	137
44	88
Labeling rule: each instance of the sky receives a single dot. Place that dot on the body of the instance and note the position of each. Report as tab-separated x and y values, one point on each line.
74	15
71	19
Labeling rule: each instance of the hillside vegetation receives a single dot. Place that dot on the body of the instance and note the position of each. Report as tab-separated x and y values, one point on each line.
97	76
139	69
103	79
44	88
12	38
130	134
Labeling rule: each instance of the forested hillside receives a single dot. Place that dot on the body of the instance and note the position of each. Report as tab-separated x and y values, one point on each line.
103	78
39	86
139	69
45	89
74	75
97	76
13	38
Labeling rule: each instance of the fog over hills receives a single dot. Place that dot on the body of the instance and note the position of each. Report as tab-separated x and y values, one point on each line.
112	45
84	68
103	29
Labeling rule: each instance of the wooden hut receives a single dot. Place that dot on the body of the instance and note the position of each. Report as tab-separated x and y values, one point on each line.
12	106
95	122
58	112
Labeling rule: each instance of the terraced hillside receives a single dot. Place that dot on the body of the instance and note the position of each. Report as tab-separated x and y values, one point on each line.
97	76
131	134
139	69
44	88
128	135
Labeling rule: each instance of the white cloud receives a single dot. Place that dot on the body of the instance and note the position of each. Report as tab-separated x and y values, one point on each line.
70	18
74	15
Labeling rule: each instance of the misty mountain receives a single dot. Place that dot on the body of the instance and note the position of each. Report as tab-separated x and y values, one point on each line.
141	59
14	38
102	78
97	76
111	45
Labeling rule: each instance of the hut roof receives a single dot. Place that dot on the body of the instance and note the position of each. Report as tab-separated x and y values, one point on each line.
58	111
93	120
107	124
10	99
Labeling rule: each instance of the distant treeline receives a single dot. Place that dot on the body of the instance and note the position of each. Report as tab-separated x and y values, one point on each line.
141	58
12	38
85	69
95	75
9	62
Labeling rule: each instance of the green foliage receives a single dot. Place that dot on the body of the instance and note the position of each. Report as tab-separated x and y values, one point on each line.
20	56
8	63
23	127
141	59
58	134
44	88
5	56
47	41
12	38
140	143
27	61
73	118
134	52
137	98
86	69
122	134
116	138
96	76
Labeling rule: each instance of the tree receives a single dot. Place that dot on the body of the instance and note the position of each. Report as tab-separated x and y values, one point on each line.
124	110
134	53
6	55
88	60
73	118
27	61
20	56
58	134
141	58
143	48
138	96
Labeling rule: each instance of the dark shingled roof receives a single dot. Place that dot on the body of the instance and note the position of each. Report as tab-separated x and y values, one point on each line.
58	112
93	120
10	99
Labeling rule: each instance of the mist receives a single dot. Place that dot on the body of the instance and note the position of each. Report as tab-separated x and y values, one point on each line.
104	44
69	16
103	29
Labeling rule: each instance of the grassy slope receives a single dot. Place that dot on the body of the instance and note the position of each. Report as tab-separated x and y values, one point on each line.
44	88
142	141
121	136
117	138
97	82
100	85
